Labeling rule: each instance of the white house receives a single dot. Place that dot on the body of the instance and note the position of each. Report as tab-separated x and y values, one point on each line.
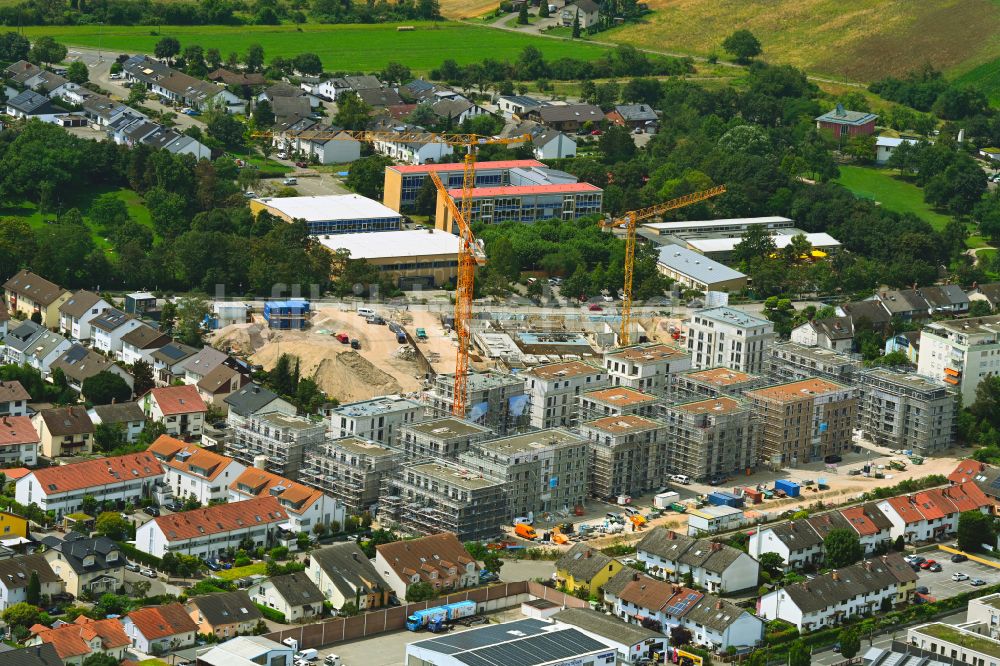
254	400
411	152
13	399
933	514
834	333
140	343
306	507
873	527
77	312
191	471
293	595
168	361
796	541
712	621
18	441
870	587
179	408
121	479
553	145
210	531
343	573
885	146
160	629
46	348
15	574
440	560
715	566
108	329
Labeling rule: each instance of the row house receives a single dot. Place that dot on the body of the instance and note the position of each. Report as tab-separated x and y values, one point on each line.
933	514
131	130
78	363
344	574
108	329
18	442
638	599
168	362
209	532
122	480
714	566
225	615
15	574
140	343
194	472
872	586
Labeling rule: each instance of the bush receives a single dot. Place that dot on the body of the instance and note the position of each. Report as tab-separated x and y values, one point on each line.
271	614
136	555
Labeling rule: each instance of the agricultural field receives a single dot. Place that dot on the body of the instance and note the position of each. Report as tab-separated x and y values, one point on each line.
341	47
862	41
893	193
458	9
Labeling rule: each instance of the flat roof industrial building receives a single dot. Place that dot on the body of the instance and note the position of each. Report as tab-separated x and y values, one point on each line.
332	214
402	182
734	226
529	642
412	258
696	271
721	248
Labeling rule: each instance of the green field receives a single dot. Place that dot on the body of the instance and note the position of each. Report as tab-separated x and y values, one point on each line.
256	569
341	47
862	40
986	77
30	213
891	192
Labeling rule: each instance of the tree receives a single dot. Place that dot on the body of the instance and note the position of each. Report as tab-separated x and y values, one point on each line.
46	51
109	436
755	243
167	48
14	47
987	405
576	24
263	113
367	176
352	112
136	95
850	643
617	145
799	654
108	212
227	129
142	376
421	591
255	58
21	614
426	200
772	563
975	529
113	526
191	312
492	562
105	388
742	45
522	14
308	63
77	72
842	548
680	636
33	593
543	9
100	659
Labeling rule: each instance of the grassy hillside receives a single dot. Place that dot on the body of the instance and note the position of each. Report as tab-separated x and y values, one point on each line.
861	40
894	194
341	47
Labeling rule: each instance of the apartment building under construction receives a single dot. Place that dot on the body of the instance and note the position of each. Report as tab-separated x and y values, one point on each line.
627	454
711	438
496	400
430	497
616	401
351	470
906	411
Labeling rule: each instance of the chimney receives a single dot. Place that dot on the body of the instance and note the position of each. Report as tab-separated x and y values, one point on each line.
835	575
672	535
589	554
716	547
635	576
868	565
718	605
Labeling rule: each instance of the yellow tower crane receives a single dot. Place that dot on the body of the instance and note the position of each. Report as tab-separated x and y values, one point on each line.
469	253
630	222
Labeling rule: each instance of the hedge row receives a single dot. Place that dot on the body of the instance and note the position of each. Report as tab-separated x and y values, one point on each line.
136	555
271	614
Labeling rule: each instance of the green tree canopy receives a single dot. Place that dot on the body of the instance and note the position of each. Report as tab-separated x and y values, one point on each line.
105	388
742	45
842	548
974	530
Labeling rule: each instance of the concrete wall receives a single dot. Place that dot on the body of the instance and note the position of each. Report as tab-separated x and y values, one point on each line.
488	599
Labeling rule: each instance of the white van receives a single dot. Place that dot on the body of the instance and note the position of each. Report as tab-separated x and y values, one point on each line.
309	654
683	479
331	660
365	312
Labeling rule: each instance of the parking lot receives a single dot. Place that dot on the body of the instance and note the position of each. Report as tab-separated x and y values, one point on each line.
940	585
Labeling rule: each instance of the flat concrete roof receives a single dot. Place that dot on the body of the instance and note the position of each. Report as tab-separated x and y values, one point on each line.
362	447
720	405
696	265
667	227
623	424
539	439
720	376
387	244
448	427
620	395
817	240
455	475
329	207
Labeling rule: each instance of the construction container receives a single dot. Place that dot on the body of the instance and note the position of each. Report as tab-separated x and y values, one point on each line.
664	500
790	488
755	496
722	498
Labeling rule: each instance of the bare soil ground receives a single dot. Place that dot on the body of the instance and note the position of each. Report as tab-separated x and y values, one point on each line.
376	369
457	9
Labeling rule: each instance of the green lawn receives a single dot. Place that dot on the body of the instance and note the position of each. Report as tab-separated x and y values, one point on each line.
256	569
341	47
891	192
30	213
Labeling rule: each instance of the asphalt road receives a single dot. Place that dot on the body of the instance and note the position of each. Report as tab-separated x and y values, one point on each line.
884	641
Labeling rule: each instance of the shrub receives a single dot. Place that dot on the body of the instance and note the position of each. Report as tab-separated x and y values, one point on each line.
271	614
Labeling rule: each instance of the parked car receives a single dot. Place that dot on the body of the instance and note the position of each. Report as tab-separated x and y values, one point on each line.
152	511
916	559
976	582
302	164
921	589
282	155
290	181
131	566
212	564
934	567
148	573
959	557
343	338
927	564
958	576
833	459
682	479
355	344
594	307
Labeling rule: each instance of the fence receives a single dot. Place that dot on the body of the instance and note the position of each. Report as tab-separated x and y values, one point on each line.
488	599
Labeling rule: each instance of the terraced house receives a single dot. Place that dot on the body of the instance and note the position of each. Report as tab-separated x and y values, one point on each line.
28	293
306	507
192	471
714	566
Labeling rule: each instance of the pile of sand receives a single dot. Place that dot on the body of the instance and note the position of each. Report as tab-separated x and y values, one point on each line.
241	339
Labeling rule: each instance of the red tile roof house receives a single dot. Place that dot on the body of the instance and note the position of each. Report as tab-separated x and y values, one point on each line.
208	532
306	507
158	629
872	525
18	441
192	471
931	515
439	559
179	408
120	479
76	641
